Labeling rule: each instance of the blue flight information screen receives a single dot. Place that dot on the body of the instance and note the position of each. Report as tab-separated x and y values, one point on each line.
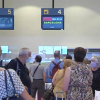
52	18
6	19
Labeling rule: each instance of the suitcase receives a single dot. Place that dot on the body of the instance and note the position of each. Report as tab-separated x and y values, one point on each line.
59	92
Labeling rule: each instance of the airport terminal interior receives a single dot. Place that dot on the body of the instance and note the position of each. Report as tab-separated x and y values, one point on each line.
45	26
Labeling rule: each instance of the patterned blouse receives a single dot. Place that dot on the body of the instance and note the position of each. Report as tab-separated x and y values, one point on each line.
80	83
19	87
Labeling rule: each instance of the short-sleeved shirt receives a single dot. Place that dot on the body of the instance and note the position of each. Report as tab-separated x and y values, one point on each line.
19	87
48	80
24	72
39	73
51	66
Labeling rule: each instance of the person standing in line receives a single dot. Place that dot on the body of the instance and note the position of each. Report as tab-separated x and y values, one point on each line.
86	61
39	77
78	78
68	57
95	67
48	80
59	78
52	65
19	65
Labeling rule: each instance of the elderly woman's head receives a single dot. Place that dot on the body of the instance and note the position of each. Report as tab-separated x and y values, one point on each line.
79	54
67	63
95	61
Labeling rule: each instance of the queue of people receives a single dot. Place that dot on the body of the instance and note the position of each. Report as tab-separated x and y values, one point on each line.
77	79
39	77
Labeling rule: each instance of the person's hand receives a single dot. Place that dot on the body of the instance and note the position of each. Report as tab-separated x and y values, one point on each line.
26	88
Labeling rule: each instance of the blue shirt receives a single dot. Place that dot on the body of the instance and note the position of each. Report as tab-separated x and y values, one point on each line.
48	80
51	66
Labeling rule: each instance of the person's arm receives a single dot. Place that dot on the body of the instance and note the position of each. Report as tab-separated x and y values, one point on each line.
44	76
26	96
61	65
50	71
19	87
66	79
50	76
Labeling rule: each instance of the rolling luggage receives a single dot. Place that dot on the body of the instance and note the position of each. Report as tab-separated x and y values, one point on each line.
57	93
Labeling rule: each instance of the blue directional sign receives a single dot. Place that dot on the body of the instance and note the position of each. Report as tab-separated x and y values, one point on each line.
52	18
6	19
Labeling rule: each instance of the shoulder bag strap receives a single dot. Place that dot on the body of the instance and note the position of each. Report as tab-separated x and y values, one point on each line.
58	62
35	70
54	63
6	81
11	81
17	69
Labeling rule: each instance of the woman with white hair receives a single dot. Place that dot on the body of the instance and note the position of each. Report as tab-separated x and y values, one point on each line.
95	64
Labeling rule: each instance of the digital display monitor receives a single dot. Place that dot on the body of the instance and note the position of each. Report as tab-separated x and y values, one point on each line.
4	49
53	22
52	49
6	19
64	50
45	49
57	48
6	22
52	18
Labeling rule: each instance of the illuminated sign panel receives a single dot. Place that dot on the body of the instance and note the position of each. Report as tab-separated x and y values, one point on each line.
52	49
6	19
52	18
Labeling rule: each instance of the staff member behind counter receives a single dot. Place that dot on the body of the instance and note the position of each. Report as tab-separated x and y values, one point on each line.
18	64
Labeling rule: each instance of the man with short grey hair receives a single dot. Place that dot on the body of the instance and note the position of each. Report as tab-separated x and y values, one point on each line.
24	55
55	62
19	65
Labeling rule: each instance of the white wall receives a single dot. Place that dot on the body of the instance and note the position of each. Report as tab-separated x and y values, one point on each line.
82	24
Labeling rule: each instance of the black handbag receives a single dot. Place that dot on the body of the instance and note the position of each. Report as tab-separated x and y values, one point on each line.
49	95
15	96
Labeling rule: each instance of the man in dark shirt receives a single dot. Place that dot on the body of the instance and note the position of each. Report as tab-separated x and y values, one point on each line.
19	65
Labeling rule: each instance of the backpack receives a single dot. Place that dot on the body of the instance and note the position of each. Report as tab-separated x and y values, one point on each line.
55	68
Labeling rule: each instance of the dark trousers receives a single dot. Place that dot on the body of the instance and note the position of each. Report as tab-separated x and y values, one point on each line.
37	85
